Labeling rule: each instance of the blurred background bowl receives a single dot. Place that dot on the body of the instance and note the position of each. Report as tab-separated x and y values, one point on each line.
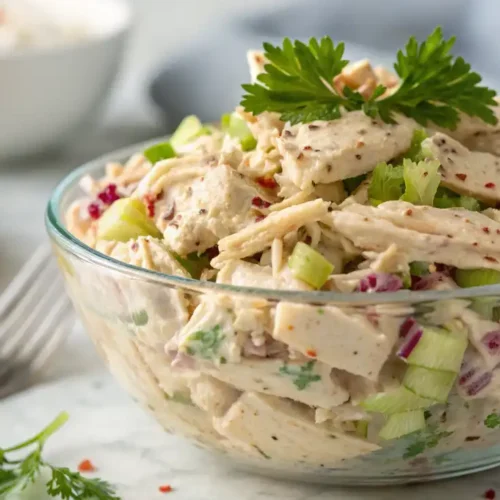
47	94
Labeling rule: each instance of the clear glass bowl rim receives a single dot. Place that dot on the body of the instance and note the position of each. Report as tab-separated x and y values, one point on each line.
56	229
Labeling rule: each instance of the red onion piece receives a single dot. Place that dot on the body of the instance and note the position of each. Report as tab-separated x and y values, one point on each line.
478	384
380	282
427	282
491	341
473	377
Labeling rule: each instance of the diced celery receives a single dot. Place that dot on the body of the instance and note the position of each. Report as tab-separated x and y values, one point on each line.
415	151
386	183
439	350
467	278
309	265
421	181
190	128
238	129
427	383
396	401
402	424
362	428
126	219
418	268
225	119
193	263
158	152
487	307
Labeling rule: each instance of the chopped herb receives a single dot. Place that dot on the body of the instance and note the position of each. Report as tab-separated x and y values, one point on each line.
303	375
492	421
205	343
193	263
140	318
425	440
265	455
321	311
17	474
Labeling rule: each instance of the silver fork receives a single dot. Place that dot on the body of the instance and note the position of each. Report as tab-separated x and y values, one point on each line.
35	317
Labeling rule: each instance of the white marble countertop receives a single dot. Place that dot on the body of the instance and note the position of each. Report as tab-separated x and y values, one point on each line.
128	448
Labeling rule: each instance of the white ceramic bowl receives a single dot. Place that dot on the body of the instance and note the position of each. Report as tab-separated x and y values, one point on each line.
46	94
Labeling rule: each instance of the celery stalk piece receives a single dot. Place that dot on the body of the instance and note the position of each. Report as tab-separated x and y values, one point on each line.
402	424
158	152
415	151
124	220
467	278
225	119
190	128
439	349
309	265
396	401
421	181
386	184
238	129
431	384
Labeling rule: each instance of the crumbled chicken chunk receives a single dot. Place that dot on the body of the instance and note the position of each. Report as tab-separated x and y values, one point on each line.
455	237
212	395
325	152
321	332
463	171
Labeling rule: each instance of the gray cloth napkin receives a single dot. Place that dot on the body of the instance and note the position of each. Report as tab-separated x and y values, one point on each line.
205	79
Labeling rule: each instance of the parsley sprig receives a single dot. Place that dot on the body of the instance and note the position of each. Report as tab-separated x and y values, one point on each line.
434	86
16	474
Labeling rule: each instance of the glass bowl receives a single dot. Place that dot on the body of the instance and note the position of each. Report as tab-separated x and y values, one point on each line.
266	425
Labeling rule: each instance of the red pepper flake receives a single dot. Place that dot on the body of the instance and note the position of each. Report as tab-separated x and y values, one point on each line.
486	230
311	353
291	327
307	148
409	211
267	182
490	259
149	201
259	218
258	202
94	211
166	488
462	177
489	185
475	244
490	494
86	466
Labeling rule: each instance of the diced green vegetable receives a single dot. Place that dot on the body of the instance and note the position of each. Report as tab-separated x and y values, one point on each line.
421	181
402	424
309	265
445	198
386	184
124	220
427	383
396	401
352	183
439	350
487	307
303	375
418	268
204	343
415	151
158	152
189	129
238	129
468	278
194	264
225	119
362	428
492	421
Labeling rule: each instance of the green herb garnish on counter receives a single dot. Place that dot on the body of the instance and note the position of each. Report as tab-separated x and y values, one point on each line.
17	473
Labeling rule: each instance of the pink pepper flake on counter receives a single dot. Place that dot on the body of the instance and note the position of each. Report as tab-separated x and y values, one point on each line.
86	466
489	185
490	494
166	488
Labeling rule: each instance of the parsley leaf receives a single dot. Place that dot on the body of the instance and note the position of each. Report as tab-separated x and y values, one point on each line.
205	343
140	318
435	87
303	375
492	421
17	475
426	440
